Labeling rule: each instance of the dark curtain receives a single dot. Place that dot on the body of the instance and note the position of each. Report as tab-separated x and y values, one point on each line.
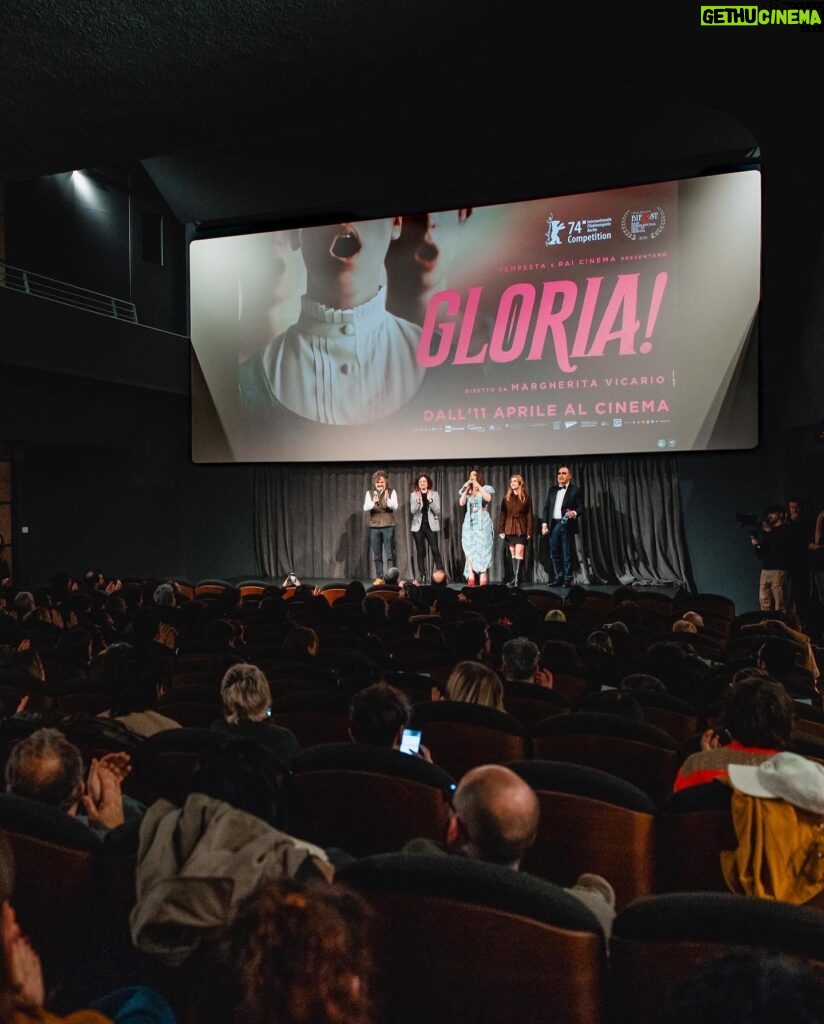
310	519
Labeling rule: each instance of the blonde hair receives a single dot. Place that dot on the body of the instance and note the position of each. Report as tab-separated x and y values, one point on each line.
475	683
245	693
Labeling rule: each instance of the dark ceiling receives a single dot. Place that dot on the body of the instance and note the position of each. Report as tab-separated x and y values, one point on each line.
255	112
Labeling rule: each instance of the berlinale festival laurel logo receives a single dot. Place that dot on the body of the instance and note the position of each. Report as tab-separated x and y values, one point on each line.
553	230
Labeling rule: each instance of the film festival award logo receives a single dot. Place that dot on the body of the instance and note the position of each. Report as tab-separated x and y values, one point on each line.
643	225
553	231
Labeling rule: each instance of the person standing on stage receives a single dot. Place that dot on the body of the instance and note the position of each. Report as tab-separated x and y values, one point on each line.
381	503
515	523
560	521
476	534
425	506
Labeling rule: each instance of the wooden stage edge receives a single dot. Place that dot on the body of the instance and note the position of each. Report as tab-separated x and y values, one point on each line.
666	590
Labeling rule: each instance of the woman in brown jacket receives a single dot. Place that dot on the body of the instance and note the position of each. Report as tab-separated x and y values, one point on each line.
515	523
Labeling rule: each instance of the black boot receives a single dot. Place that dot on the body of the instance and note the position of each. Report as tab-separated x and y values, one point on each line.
516	571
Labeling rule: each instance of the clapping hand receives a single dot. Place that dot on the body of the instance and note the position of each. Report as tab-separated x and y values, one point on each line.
103	799
25	972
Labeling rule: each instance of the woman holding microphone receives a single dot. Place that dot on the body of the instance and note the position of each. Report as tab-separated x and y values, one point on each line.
476	534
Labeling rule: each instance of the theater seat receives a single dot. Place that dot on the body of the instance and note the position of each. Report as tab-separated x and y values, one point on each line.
591	821
461	940
658	940
314	717
366	799
461	736
639	752
531	704
62	899
694	826
167	763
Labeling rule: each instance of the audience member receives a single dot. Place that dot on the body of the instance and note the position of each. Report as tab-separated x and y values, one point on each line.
474	683
601	641
46	767
135	688
561	656
755	723
494	818
470	638
520	663
684	626
379	714
292	954
683	673
247	706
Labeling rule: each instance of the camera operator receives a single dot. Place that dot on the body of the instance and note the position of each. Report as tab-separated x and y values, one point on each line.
772	544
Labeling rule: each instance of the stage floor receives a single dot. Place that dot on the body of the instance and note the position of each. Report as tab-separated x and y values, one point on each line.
666	590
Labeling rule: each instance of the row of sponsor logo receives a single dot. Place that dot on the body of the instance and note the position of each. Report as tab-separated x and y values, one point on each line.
482	428
636	225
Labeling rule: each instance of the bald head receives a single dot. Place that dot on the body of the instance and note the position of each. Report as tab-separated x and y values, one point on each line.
498	815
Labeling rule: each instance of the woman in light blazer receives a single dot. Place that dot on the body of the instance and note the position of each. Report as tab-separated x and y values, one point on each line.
425	506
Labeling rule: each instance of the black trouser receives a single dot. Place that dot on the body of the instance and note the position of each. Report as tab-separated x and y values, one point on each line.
426	535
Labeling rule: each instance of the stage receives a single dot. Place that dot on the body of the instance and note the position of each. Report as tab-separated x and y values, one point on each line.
664	590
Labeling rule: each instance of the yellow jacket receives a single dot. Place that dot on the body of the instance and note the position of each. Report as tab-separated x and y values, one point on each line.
780	854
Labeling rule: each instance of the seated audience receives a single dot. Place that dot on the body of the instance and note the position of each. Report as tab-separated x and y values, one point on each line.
46	767
684	626
474	683
755	723
520	663
494	818
292	954
301	643
247	705
561	656
378	715
220	637
470	638
135	687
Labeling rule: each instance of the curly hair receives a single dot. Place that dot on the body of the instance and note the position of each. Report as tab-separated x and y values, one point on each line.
294	954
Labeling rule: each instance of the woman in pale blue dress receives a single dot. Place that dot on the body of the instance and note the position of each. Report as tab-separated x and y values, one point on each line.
476	534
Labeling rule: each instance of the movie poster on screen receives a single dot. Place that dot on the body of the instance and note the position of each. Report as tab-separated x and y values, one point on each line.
561	325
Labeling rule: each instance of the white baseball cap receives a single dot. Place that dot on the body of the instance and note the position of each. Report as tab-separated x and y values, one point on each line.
784	776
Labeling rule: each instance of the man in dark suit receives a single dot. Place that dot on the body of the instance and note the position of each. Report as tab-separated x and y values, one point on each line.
560	521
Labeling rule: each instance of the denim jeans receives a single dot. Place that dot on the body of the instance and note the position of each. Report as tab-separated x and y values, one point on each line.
380	538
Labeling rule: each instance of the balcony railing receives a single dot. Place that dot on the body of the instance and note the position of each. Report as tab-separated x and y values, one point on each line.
43	287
